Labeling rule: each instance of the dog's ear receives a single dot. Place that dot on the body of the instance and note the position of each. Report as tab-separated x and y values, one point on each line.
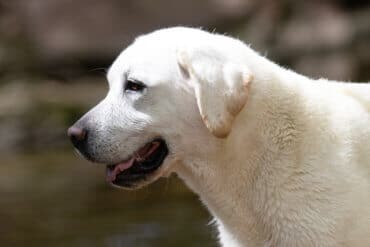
221	87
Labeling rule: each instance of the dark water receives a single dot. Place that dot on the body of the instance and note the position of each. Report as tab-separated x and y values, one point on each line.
57	199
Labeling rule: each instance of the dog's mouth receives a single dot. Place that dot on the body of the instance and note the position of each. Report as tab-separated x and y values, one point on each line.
144	162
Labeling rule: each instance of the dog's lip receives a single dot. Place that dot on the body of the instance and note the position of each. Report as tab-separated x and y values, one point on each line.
139	167
138	156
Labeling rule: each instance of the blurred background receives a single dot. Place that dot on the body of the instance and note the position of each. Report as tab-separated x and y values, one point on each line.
53	56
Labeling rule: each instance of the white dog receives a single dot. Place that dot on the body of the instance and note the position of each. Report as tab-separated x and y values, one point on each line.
278	158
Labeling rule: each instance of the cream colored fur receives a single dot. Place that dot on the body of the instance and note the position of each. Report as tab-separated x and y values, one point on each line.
278	158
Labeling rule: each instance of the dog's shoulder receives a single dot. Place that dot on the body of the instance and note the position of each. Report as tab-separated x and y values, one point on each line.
359	92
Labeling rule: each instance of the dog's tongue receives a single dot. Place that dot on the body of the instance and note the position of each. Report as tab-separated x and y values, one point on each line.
139	156
112	173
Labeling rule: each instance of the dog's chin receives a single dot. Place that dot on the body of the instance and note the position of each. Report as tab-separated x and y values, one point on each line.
140	183
143	167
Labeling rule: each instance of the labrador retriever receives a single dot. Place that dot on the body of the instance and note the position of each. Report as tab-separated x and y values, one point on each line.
279	159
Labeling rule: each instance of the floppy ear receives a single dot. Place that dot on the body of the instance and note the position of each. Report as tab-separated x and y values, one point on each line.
221	87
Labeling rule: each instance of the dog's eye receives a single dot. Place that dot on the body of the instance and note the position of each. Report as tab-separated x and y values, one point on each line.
134	86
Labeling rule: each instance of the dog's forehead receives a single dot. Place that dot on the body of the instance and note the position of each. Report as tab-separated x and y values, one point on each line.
154	54
143	59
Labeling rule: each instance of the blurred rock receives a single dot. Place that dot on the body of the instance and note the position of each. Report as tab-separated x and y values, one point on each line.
60	29
34	115
315	38
62	37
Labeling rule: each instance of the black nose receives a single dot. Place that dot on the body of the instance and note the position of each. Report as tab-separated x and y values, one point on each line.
78	136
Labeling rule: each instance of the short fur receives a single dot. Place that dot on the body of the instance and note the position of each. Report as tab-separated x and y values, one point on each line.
278	158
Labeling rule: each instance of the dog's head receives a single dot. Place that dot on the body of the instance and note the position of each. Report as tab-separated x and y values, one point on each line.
173	93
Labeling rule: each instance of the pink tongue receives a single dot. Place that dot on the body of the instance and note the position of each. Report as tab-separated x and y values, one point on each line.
111	176
139	156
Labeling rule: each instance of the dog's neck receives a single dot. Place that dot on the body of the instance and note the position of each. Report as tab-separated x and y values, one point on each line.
236	195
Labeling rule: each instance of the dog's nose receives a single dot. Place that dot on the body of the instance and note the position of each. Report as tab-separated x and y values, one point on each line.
77	135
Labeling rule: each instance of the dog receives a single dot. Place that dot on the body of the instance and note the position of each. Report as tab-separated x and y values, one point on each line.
279	159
